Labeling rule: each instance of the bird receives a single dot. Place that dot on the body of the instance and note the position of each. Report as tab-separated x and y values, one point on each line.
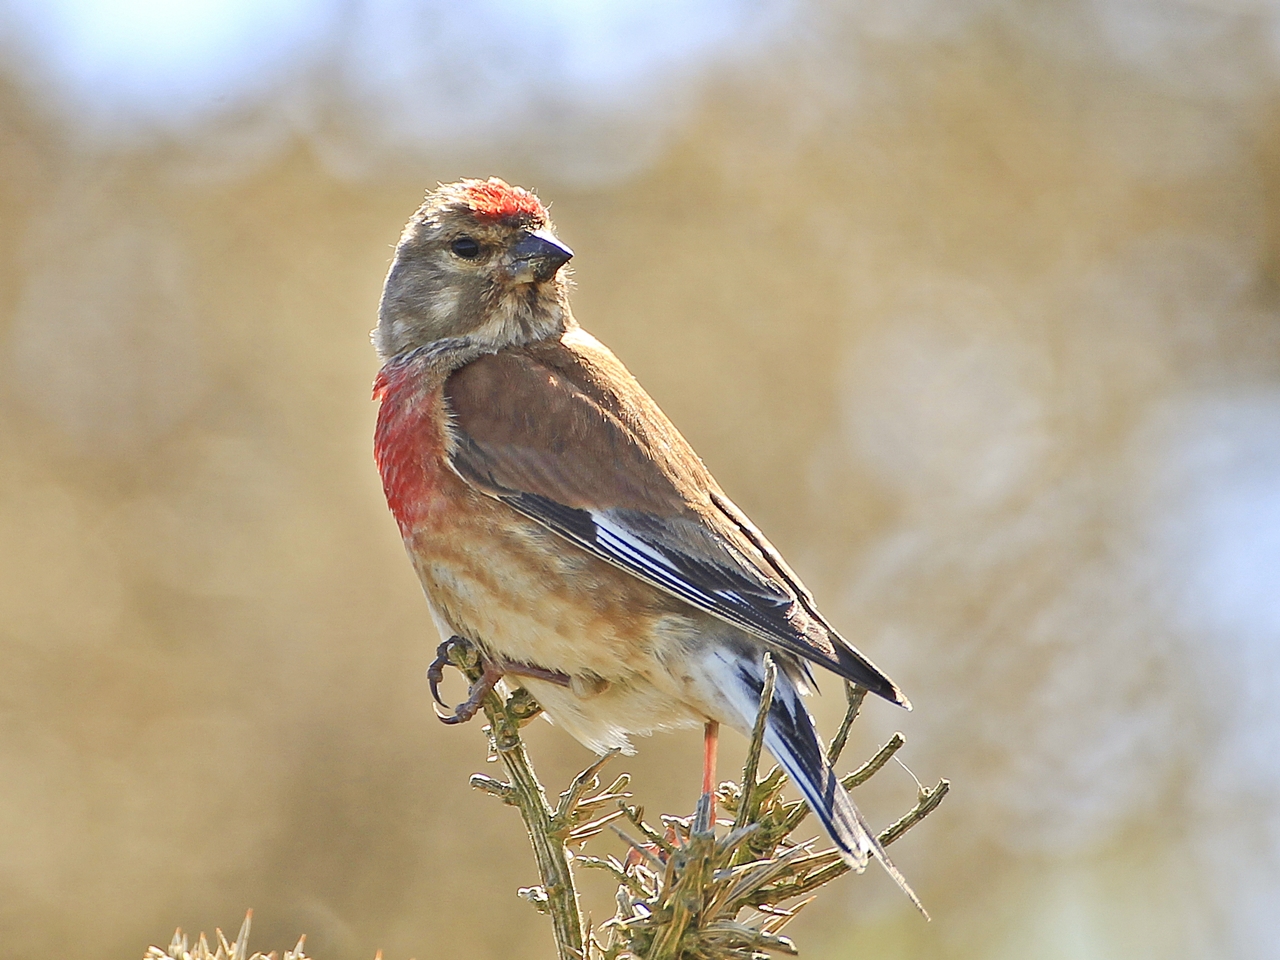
559	521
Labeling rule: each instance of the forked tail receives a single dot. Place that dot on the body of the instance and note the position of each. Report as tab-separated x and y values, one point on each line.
793	740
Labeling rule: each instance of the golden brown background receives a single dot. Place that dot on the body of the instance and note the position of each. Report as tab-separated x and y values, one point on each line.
972	306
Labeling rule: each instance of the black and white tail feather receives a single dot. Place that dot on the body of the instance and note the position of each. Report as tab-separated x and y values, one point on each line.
792	739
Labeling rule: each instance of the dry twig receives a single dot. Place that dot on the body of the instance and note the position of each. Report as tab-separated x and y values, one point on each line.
181	949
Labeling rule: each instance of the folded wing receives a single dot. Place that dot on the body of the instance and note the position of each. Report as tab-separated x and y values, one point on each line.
564	434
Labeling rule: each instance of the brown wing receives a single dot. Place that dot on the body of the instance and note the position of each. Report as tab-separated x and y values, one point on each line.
563	433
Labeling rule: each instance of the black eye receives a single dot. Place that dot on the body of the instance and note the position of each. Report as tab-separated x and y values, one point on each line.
466	248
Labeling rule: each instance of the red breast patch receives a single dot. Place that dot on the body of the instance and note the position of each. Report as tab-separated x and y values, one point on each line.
407	445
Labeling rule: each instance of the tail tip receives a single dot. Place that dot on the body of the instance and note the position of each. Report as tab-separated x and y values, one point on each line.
858	860
891	869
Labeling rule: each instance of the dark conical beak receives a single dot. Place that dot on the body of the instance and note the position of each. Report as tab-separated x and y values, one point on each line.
537	256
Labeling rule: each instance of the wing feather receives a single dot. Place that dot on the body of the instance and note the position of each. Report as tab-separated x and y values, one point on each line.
563	434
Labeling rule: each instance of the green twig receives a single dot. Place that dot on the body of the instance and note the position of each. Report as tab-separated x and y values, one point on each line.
854	695
749	803
556	895
872	766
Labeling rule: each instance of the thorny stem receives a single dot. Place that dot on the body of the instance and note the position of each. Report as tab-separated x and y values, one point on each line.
558	896
872	766
854	695
748	808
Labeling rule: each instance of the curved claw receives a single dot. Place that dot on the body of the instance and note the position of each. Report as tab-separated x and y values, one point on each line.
494	670
435	673
459	715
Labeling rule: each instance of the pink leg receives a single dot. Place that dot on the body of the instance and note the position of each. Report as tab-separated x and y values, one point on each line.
516	669
710	743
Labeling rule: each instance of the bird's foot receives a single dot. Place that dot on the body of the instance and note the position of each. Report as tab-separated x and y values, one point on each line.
466	657
491	671
435	674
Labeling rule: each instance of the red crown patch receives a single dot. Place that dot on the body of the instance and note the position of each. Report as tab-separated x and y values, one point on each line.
494	199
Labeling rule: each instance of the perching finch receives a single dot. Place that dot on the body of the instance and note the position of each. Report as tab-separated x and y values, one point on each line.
560	522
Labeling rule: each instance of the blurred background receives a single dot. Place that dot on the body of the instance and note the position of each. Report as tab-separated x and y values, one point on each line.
973	306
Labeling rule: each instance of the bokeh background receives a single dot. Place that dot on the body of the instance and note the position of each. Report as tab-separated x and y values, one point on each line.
973	306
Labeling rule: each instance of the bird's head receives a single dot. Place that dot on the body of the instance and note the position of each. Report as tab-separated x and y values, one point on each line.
478	261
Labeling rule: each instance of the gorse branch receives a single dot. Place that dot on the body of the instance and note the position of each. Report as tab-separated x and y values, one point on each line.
549	830
691	890
688	889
